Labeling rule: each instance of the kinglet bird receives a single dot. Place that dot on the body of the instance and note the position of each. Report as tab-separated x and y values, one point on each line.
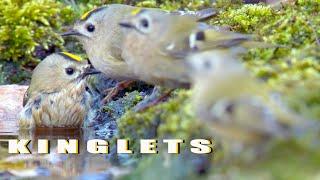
58	95
100	34
235	105
156	45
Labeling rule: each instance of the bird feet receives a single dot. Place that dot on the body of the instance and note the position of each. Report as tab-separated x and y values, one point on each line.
112	92
153	100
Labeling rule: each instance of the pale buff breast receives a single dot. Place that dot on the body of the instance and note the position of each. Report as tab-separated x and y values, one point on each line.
113	68
67	108
147	62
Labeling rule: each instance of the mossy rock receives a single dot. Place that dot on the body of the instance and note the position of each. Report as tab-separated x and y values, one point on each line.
294	63
291	67
173	119
293	71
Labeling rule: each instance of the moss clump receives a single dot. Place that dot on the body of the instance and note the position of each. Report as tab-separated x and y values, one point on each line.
163	4
295	62
174	5
81	6
153	166
286	160
291	68
245	18
26	25
117	108
173	119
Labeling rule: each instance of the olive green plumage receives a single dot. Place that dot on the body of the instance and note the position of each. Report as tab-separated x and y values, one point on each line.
101	36
156	45
58	95
236	106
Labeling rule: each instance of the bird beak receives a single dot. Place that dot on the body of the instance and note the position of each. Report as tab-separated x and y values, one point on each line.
90	71
71	32
126	24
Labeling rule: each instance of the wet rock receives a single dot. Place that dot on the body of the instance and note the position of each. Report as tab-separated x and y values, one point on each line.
11	97
105	125
102	176
103	121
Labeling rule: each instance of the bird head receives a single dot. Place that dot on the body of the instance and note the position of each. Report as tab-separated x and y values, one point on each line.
58	71
89	26
156	24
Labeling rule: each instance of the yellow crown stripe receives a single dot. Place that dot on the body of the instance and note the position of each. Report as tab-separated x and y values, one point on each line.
72	56
136	11
85	15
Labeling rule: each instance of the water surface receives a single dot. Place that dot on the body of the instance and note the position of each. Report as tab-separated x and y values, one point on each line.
83	165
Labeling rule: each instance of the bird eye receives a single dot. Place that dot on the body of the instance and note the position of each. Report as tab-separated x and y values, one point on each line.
230	108
69	71
90	27
144	23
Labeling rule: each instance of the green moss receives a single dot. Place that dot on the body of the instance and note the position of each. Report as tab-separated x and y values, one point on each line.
286	160
117	108
153	166
292	68
173	119
173	5
83	5
245	18
295	62
26	25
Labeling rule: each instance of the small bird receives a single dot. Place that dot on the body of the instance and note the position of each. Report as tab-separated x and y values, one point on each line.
100	34
236	106
156	45
58	95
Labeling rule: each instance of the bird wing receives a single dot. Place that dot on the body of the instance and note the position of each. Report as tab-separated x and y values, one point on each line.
176	43
205	38
200	15
115	52
211	39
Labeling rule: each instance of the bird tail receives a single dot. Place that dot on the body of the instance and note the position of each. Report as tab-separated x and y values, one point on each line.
258	44
211	38
200	15
204	14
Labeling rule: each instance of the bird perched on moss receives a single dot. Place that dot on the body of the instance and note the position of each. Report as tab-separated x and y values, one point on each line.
100	34
58	95
237	107
156	45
